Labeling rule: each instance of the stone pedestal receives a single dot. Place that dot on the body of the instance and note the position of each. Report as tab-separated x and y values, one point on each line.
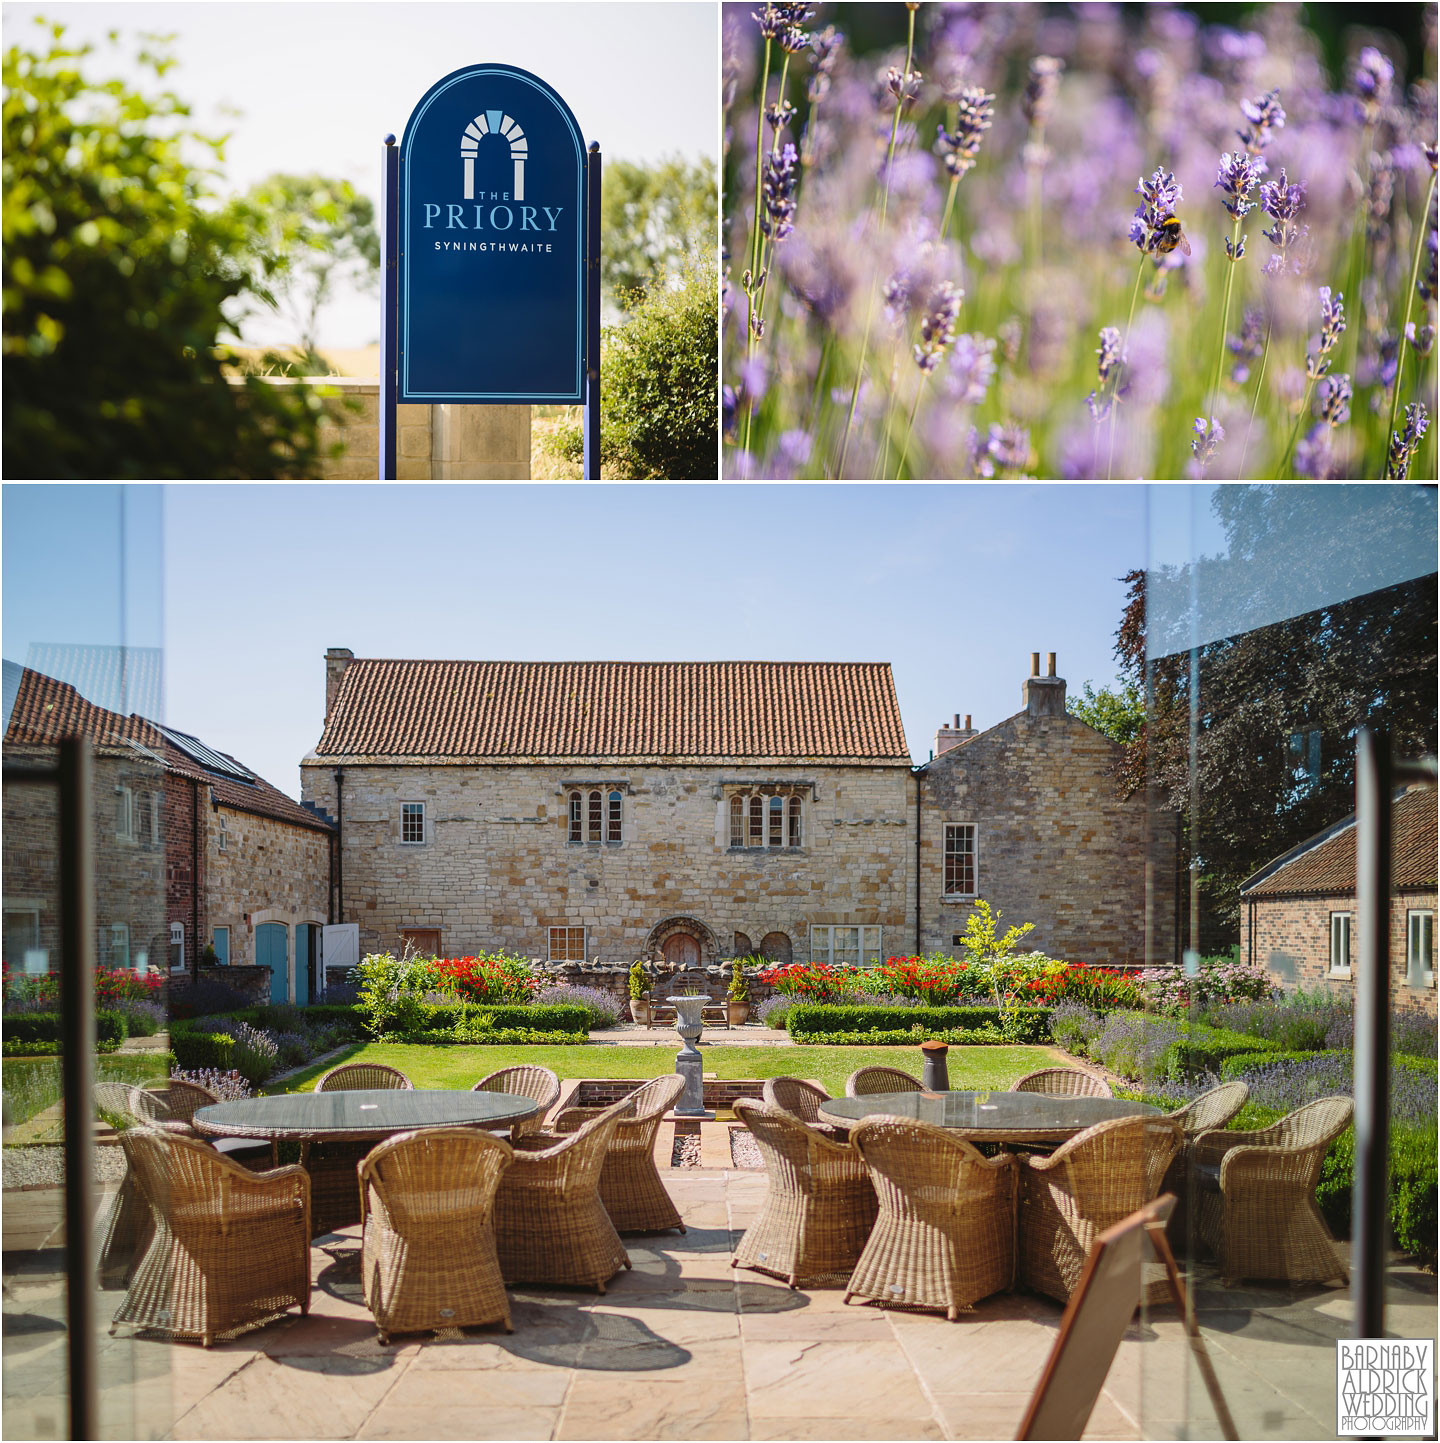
688	1062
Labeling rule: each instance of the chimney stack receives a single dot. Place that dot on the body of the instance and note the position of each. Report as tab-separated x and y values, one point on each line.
336	660
1043	695
951	736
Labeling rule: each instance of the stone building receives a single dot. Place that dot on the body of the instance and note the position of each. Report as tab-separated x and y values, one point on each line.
693	811
1300	921
194	851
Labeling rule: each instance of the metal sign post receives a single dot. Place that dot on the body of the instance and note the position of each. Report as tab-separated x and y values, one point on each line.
492	250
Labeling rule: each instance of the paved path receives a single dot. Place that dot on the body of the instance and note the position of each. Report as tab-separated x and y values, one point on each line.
684	1347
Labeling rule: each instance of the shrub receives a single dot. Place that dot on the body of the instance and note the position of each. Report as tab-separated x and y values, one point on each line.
1413	1034
483	1029
194	1049
1217	982
775	1011
47	1027
888	1025
392	992
1074	1027
255	1052
438	1021
12	1048
659	379
293	1049
598	1005
227	1086
490	979
143	1019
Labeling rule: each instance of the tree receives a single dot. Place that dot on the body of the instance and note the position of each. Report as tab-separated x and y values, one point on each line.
1116	713
1279	704
314	233
652	220
118	259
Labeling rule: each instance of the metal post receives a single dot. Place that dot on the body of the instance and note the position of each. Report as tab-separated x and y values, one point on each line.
592	313
77	1009
389	326
1370	1203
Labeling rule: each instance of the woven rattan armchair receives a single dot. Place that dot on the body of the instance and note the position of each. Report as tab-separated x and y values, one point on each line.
1211	1110
1091	1182
865	1081
539	1084
819	1203
1257	1196
1063	1082
428	1250
550	1225
945	1236
125	1226
802	1101
334	1182
630	1185
231	1248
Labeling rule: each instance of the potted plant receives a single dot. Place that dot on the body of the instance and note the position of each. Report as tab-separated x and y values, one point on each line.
639	994
737	996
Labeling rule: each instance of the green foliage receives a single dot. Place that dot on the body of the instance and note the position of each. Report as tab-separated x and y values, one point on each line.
312	234
1204	1050
47	1027
660	382
639	985
1117	714
543	1018
195	1050
117	263
10	1047
1235	1065
392	992
892	1026
33	1084
739	988
653	220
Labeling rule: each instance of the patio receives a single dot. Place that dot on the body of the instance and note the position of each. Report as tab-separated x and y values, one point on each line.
683	1346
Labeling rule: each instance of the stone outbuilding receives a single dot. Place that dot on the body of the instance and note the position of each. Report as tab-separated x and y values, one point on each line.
1299	910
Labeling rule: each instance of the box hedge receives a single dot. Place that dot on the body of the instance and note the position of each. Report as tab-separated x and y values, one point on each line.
548	1017
29	1027
848	1025
196	1050
1204	1050
1235	1066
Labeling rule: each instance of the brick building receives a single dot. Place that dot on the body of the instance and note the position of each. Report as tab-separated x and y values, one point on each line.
699	810
1300	909
194	850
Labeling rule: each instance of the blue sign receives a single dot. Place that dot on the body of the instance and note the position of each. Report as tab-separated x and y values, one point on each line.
492	258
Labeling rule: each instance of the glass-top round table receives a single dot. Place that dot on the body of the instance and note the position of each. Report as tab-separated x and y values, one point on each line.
990	1116
357	1116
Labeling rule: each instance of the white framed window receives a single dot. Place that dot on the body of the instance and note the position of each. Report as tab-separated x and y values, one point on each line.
222	835
115	945
1341	924
177	946
567	944
220	941
1420	945
124	814
845	946
22	950
960	859
765	819
412	823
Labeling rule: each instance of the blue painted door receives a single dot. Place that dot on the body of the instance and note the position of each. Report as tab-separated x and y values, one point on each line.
272	950
304	960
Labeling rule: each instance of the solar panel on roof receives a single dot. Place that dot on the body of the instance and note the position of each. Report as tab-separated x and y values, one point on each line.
212	761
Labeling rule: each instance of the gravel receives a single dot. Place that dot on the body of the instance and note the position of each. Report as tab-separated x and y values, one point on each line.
744	1150
37	1166
686	1152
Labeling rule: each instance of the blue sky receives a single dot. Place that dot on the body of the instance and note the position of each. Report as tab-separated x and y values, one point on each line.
954	585
317	86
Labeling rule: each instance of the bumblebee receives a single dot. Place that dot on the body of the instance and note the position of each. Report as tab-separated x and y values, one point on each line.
1169	236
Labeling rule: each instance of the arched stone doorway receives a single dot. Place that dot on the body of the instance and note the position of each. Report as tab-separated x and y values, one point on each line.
683	942
775	947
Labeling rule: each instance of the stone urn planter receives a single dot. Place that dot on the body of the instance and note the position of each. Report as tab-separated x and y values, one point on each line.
640	1010
737	1014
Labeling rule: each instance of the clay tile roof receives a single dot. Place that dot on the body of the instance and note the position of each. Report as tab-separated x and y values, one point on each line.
1326	863
581	710
46	710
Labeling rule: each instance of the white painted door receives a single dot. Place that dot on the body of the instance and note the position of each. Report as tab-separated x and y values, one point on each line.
339	950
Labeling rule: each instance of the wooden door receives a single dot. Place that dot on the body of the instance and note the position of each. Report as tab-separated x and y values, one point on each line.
682	951
272	950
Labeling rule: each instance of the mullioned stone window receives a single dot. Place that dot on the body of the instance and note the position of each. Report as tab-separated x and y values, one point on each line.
597	814
765	819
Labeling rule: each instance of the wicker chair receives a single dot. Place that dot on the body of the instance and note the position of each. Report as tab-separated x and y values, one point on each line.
630	1185
1097	1178
1063	1082
945	1237
1211	1110
125	1228
231	1248
1257	1196
550	1225
819	1204
428	1250
537	1083
335	1187
866	1081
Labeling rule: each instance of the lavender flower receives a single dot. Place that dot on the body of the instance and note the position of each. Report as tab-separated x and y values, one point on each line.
1332	324
826	45
1206	440
1283	201
937	325
1335	396
1263	115
903	85
974	112
1314	456
1109	353
1238	175
1040	89
1247	346
782	175
1158	198
1432	154
1405	442
971	369
1429	281
1422	341
1008	446
1371	78
778	115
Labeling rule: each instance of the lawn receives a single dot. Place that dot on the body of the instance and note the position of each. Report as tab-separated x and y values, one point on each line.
31	1084
440	1067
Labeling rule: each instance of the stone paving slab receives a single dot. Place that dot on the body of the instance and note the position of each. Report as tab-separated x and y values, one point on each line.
683	1346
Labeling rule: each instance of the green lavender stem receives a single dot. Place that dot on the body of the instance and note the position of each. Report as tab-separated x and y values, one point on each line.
755	247
1255	401
1283	473
1124	363
914	406
1224	326
1409	302
884	211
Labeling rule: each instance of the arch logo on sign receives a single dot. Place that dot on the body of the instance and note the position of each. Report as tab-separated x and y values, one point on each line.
492	227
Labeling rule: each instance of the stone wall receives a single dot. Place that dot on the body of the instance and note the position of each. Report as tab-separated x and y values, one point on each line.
251	982
1290	938
185	804
614	981
497	870
1055	844
432	443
